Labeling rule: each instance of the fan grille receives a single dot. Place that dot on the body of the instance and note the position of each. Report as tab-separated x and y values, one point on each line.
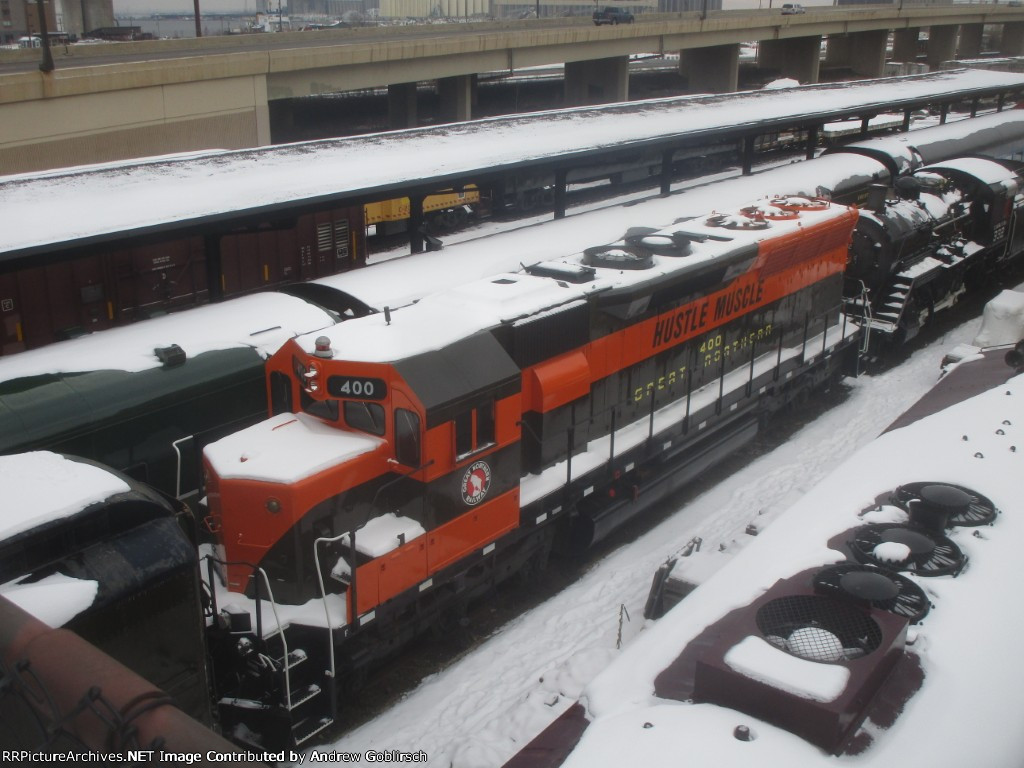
980	512
909	601
927	553
818	628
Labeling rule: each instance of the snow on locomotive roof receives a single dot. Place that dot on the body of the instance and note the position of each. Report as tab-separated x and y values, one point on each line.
445	317
47	210
404	280
242	322
442	318
988	134
968	444
401	281
71	486
986	171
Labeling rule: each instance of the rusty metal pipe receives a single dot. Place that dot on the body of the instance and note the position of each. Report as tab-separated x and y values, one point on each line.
71	671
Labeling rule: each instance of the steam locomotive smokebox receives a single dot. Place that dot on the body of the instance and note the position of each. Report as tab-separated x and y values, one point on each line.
805	662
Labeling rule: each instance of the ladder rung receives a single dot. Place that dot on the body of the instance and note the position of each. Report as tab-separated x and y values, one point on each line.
295	658
307	729
304	694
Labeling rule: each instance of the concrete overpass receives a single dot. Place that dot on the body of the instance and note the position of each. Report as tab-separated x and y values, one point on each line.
110	102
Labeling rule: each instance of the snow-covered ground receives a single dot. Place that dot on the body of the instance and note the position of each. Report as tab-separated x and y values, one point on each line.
482	709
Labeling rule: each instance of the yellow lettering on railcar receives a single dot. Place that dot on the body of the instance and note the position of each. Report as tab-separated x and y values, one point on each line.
711	351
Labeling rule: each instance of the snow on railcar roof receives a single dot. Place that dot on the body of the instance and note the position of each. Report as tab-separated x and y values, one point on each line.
967	647
458	312
53	208
260	321
71	487
986	171
242	321
986	128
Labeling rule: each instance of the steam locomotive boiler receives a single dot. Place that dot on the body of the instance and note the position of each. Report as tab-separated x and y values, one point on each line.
417	457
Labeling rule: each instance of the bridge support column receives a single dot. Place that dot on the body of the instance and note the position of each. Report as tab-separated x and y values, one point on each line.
796	57
457	97
1013	39
970	41
863	52
402	105
941	45
599	81
905	44
837	50
715	69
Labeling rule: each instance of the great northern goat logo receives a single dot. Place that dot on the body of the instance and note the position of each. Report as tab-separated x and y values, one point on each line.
476	482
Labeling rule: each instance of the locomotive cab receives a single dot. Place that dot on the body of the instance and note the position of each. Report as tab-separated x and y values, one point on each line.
994	188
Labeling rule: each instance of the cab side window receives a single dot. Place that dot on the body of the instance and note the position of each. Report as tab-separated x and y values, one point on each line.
474	429
366	417
407	437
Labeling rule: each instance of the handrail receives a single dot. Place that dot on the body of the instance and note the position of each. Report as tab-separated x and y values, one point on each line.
177	474
259	615
323	590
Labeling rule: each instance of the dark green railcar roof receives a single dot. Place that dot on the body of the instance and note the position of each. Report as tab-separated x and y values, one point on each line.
40	412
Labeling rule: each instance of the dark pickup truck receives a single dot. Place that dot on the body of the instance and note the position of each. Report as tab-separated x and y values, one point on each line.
612	15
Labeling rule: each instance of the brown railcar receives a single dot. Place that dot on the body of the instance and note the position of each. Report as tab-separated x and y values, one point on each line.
85	292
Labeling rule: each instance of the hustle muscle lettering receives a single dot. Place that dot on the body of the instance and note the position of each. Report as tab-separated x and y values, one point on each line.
735	301
694	318
686	321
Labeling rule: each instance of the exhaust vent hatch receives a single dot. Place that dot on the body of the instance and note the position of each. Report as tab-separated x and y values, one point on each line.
874	587
966	507
902	548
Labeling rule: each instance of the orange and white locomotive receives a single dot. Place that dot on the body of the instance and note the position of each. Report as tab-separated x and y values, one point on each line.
418	456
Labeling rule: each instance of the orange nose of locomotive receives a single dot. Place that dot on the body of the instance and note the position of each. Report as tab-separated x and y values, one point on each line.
264	486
